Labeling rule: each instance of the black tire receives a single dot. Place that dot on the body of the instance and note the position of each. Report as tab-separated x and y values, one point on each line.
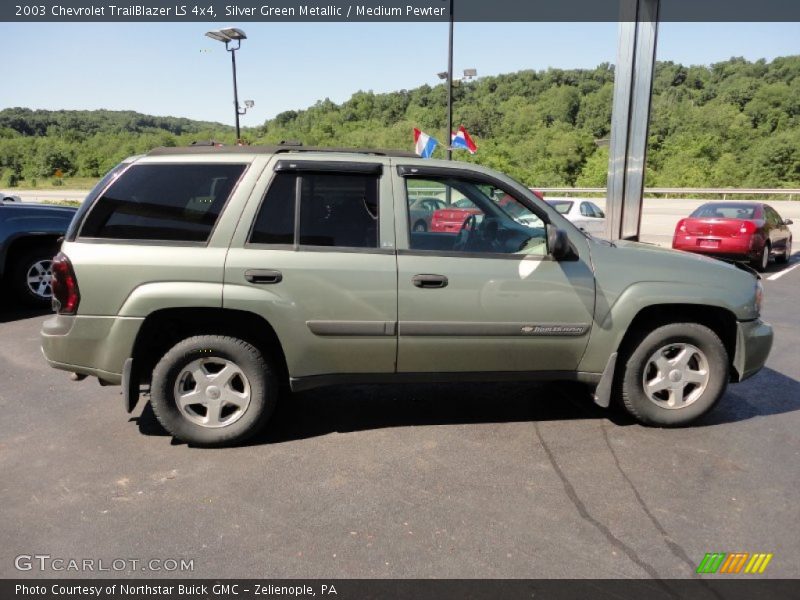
787	253
259	376
761	262
420	227
675	335
21	266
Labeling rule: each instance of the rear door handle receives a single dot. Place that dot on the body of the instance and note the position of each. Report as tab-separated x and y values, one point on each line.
263	276
429	281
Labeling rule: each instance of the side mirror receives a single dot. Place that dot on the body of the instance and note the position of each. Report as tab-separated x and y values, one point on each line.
788	222
557	242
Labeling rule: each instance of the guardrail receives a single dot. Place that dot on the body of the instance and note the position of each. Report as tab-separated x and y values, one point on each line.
599	192
683	192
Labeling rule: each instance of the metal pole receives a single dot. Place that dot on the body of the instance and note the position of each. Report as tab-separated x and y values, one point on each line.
630	117
235	91
450	85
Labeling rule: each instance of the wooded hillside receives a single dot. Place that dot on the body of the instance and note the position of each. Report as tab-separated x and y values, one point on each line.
733	124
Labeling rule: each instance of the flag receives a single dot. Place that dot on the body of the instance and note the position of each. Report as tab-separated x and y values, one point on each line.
423	143
462	140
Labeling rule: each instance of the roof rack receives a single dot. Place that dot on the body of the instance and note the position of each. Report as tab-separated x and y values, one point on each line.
284	147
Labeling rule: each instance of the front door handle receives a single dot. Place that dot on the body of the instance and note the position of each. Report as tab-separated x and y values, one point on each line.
429	281
263	276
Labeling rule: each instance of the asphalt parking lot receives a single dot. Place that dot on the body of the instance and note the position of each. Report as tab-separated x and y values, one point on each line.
418	481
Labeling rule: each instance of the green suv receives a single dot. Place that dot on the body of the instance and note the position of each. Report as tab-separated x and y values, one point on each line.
214	277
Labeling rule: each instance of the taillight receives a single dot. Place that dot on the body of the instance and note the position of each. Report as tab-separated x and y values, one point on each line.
66	295
747	227
682	226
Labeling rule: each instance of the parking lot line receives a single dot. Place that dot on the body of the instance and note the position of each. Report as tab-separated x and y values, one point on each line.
780	274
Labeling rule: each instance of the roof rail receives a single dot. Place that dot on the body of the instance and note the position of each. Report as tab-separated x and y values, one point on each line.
213	148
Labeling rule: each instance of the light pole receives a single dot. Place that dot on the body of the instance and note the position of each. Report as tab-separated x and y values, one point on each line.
448	76
450	84
468	74
227	36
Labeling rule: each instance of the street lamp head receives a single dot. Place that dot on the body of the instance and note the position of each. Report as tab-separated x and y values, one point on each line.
249	103
442	75
233	33
228	34
219	36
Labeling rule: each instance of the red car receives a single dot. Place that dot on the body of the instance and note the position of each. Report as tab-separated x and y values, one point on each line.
740	230
450	219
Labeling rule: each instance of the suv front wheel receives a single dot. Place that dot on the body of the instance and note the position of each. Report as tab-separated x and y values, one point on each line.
213	390
675	374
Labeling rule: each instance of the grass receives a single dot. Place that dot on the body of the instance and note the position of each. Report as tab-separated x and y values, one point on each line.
62	202
49	184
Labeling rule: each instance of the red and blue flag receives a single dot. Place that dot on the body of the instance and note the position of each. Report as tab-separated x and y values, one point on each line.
461	140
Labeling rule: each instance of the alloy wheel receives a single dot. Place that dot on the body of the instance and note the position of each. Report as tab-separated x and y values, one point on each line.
40	279
212	392
675	375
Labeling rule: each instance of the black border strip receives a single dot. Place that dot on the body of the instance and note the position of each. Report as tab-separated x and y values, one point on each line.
716	588
376	11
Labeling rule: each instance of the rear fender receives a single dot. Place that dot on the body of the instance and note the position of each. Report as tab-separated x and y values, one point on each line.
150	297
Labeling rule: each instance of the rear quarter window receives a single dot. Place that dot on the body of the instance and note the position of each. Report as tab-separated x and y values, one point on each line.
162	202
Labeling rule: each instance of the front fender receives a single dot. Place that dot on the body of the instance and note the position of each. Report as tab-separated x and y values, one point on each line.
613	321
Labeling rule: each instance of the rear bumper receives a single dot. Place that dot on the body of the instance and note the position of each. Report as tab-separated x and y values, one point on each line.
89	345
745	248
753	343
439	227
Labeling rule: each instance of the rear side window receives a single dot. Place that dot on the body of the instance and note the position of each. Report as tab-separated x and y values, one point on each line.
163	203
337	210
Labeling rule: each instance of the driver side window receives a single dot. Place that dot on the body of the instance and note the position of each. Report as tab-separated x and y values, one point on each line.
461	215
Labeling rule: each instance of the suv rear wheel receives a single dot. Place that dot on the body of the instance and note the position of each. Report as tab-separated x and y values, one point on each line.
213	390
675	374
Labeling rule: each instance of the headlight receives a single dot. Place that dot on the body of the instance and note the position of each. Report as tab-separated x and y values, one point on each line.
759	299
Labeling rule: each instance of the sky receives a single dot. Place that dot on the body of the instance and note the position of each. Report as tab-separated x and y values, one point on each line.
173	69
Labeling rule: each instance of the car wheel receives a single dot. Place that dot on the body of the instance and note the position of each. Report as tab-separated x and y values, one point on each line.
761	262
31	277
213	390
420	227
675	374
787	253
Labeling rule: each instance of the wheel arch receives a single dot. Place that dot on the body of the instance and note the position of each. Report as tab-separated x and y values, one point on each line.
718	319
24	242
164	328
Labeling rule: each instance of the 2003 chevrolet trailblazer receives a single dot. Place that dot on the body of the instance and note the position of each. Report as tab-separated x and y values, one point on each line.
214	275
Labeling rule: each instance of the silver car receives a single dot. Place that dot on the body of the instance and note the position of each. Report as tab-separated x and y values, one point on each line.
584	214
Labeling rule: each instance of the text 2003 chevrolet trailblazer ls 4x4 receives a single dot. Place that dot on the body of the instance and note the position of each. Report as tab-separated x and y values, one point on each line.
214	275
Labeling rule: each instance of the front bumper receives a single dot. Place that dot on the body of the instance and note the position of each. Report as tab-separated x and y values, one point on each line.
90	345
753	343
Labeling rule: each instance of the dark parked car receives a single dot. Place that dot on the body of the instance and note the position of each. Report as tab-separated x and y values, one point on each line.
740	230
29	236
